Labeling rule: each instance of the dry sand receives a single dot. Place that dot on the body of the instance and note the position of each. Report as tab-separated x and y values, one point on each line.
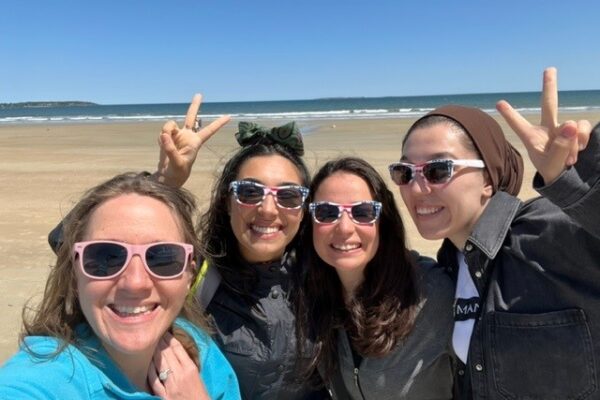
45	168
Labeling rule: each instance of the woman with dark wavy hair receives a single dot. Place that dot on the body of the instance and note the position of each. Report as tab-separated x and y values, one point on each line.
249	237
379	317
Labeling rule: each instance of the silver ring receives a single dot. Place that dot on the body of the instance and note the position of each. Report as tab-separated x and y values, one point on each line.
164	374
197	124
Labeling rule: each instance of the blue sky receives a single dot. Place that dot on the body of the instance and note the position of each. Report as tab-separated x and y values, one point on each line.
126	51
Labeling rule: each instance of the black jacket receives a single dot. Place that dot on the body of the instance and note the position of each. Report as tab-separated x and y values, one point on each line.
536	266
258	336
419	367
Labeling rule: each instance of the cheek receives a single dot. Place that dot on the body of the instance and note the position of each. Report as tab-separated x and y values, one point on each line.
178	291
376	240
90	295
236	215
371	234
404	193
292	219
320	233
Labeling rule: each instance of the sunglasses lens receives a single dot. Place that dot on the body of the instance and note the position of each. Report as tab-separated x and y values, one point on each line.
249	193
166	259
364	213
401	174
326	213
437	171
103	259
289	197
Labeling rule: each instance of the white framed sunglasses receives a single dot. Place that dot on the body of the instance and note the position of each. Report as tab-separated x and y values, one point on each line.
435	171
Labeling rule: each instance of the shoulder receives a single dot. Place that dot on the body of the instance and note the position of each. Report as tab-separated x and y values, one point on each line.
430	274
435	287
40	373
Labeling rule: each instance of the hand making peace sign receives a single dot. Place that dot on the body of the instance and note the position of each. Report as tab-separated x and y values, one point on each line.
179	146
551	147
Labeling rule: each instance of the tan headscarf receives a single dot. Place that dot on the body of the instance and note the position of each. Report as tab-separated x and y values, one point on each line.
502	161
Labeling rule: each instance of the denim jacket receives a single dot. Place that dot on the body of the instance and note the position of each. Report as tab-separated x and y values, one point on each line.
536	266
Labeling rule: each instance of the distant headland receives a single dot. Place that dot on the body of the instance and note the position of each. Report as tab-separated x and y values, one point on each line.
46	104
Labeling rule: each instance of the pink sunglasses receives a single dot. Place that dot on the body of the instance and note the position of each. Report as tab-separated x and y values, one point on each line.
105	259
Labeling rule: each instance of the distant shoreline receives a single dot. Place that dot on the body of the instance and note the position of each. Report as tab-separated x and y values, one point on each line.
360	108
46	104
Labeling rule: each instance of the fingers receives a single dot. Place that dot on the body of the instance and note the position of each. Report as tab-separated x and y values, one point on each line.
170	127
559	150
177	349
550	99
584	130
155	383
213	127
192	113
168	147
516	121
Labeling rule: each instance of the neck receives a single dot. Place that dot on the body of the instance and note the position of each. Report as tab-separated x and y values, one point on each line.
460	238
135	367
350	281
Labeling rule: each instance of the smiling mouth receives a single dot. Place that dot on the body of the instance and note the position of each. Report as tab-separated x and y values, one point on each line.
425	211
129	311
264	230
346	246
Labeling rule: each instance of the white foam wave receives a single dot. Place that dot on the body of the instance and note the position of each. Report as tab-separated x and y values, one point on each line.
298	115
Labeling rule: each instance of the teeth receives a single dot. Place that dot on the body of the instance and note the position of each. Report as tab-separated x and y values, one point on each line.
427	210
346	246
265	229
125	310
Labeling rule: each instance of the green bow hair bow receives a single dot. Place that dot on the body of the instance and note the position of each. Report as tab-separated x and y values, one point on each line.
287	135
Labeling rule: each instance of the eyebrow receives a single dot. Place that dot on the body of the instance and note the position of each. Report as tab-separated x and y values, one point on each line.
436	156
279	184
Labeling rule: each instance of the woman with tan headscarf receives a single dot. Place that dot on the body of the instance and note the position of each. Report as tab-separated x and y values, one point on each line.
527	274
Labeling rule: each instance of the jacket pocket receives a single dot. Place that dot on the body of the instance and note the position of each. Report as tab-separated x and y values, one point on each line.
542	356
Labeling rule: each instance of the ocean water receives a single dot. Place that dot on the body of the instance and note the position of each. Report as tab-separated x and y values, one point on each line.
316	109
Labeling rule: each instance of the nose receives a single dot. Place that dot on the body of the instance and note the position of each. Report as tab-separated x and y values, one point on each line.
345	225
268	205
135	277
419	184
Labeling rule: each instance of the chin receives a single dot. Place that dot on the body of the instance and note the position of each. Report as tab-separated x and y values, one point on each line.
428	235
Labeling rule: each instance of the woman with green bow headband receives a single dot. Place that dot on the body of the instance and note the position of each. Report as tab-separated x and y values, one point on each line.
249	237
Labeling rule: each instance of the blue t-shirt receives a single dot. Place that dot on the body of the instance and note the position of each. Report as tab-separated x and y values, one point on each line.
75	375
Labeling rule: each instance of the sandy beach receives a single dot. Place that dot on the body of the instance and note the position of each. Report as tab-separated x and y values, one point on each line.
45	168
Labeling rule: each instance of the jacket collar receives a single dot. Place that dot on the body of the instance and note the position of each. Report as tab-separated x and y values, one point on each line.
489	233
493	225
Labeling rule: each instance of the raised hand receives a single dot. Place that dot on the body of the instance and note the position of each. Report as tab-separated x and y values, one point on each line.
551	146
173	374
179	146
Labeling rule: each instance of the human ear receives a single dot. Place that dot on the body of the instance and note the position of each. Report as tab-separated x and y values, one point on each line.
191	268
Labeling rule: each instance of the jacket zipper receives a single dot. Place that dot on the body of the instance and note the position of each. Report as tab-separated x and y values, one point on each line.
358	384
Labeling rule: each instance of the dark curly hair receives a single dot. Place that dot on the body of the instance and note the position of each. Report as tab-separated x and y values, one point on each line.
219	244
